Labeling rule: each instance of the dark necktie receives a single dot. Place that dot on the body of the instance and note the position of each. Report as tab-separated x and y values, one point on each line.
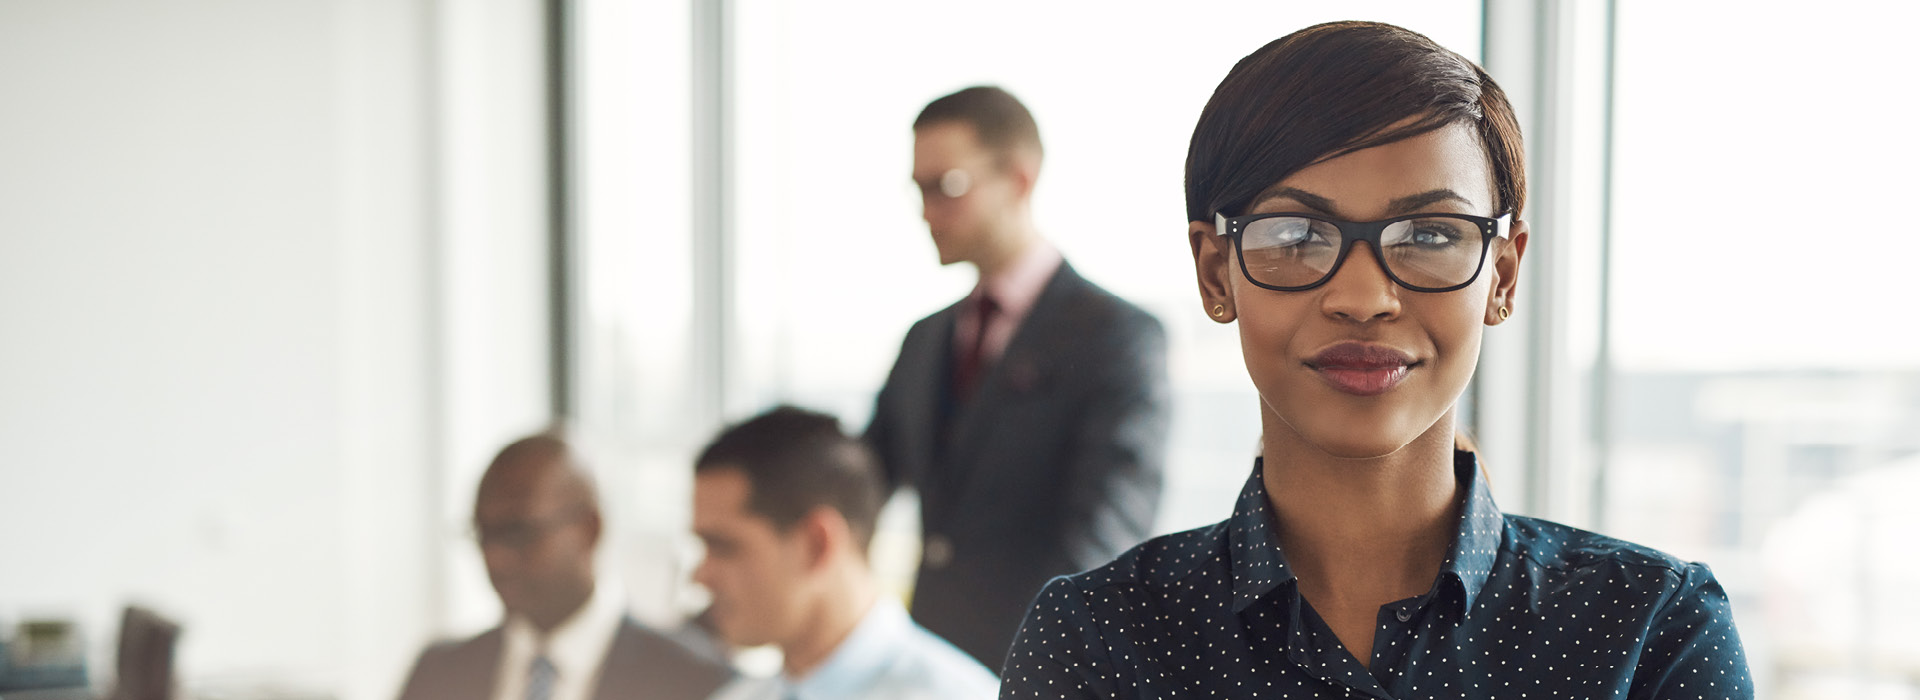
971	362
540	678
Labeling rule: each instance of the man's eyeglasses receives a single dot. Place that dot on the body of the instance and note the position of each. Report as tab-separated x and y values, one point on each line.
520	534
1290	252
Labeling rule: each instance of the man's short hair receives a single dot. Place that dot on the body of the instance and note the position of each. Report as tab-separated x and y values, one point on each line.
1002	124
796	460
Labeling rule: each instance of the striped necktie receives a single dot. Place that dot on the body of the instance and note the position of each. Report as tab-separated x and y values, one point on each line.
540	678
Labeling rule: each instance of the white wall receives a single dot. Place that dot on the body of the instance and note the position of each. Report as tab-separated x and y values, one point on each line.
271	283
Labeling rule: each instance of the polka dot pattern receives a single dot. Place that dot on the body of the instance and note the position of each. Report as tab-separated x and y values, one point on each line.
1523	608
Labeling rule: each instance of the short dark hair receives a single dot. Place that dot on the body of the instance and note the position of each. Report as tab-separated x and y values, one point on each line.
796	460
1336	88
998	119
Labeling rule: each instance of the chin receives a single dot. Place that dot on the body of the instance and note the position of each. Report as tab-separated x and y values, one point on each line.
1361	448
1357	436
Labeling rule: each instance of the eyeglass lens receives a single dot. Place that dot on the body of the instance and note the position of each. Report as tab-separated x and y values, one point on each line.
1288	251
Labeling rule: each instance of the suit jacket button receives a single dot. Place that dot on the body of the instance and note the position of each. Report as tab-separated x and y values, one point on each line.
936	552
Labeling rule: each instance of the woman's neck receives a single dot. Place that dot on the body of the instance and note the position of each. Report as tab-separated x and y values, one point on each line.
1362	532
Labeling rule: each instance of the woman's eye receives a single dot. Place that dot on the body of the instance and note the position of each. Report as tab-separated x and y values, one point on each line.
1283	233
1292	235
1427	235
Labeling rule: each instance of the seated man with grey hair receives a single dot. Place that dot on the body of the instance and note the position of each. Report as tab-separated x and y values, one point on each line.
564	638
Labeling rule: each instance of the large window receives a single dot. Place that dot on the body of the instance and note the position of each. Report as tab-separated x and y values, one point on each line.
1714	356
823	261
834	262
1763	394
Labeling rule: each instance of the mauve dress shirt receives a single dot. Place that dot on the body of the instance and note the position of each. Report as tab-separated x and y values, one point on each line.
1522	608
1014	292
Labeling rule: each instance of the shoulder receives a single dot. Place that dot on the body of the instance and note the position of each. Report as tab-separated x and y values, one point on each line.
1563	547
1676	609
936	320
448	665
1080	632
661	663
1140	576
1572	553
480	647
746	688
930	662
1098	304
925	339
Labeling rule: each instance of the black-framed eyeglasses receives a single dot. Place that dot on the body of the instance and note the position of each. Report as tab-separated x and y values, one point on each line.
1293	252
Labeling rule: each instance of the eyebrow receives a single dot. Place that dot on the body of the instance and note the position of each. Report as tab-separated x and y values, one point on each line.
1403	205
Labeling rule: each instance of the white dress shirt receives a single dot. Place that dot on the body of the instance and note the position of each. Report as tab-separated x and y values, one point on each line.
887	657
576	648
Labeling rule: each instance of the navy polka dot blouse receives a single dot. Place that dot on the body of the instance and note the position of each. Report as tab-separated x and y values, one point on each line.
1522	608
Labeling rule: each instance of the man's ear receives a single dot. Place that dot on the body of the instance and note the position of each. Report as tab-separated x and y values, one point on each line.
1506	275
1024	168
825	535
591	524
1213	268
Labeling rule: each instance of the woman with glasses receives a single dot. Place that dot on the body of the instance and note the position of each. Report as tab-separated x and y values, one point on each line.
1355	194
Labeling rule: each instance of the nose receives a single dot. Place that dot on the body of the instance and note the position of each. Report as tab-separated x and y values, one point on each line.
927	206
1360	290
703	573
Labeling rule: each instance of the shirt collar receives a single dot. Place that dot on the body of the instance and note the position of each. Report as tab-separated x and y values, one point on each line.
1018	286
578	645
1253	550
1259	566
1476	540
865	653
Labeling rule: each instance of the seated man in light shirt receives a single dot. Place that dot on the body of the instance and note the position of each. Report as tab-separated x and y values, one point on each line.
786	504
565	636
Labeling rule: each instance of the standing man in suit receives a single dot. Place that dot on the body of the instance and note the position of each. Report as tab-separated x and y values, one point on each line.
564	638
1032	415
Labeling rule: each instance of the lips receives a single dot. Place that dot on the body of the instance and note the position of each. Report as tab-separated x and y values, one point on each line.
1362	369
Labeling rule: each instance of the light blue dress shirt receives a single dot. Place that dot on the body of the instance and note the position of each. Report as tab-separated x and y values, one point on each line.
887	656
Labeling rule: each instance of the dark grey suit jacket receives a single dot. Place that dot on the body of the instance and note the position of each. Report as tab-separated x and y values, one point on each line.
640	665
1052	468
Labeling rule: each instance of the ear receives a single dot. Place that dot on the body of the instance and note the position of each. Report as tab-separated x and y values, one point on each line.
1506	273
1024	168
825	536
592	524
1213	267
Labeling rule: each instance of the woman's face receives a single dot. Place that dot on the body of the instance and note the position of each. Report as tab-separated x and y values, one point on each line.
1360	367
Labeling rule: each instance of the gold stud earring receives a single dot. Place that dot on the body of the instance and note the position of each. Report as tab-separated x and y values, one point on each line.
1504	312
1219	310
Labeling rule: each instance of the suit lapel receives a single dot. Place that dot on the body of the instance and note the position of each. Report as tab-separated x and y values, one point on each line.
926	374
1022	369
617	680
482	653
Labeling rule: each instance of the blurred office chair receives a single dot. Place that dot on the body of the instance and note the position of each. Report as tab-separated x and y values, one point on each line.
145	662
